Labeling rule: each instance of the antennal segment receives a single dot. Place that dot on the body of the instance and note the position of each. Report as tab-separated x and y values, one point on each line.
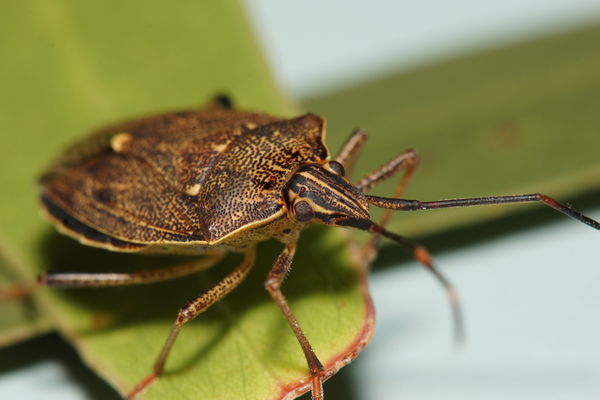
413	205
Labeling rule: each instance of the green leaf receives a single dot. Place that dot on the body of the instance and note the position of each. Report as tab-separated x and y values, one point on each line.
518	119
69	67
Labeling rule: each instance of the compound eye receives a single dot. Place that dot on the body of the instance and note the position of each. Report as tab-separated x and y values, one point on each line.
337	168
303	211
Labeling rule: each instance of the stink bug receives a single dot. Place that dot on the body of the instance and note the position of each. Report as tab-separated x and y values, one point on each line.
221	180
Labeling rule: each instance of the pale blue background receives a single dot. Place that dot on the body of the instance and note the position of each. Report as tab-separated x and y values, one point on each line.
531	299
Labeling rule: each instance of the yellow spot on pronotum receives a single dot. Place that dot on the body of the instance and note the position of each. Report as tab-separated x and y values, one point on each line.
193	190
119	141
250	125
219	147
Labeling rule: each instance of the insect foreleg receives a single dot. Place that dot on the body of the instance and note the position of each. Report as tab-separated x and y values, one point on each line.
194	308
424	258
406	161
107	279
273	285
351	149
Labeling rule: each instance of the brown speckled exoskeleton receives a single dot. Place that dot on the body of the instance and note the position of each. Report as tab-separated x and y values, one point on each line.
219	180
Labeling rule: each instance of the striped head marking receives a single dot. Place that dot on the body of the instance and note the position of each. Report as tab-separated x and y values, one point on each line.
323	194
320	193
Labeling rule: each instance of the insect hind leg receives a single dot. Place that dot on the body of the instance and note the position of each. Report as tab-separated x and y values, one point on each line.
110	279
15	292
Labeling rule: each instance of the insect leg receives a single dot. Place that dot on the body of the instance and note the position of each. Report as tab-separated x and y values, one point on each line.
14	292
191	310
351	149
422	255
412	205
273	285
106	279
407	161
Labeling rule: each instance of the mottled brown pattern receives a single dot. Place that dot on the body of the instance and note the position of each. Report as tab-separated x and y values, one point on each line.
183	177
171	127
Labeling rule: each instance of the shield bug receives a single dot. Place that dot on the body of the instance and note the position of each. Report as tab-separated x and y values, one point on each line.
221	180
